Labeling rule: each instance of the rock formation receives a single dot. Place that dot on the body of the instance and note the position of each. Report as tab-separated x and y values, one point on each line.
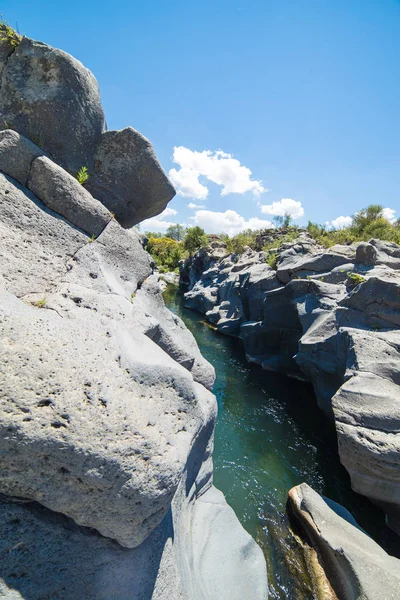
344	561
107	417
333	318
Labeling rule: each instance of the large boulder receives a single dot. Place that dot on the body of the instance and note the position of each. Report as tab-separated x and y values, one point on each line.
128	178
53	100
345	563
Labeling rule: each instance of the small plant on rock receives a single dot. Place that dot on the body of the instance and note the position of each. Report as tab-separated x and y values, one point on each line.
40	303
355	278
82	175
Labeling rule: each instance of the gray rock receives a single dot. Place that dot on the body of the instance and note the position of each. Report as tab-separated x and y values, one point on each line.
300	265
53	100
36	243
348	565
62	193
366	254
127	177
92	409
6	49
16	155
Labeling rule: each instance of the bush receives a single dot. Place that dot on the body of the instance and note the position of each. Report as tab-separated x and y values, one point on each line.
166	253
8	34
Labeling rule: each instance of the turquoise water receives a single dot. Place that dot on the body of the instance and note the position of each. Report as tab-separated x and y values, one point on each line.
271	436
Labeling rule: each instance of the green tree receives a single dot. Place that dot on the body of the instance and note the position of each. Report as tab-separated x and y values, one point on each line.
176	232
195	238
366	217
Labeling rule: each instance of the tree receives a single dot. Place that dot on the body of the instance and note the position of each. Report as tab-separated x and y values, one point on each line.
195	238
176	232
366	217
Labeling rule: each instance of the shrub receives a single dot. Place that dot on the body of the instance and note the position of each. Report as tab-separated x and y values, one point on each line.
355	278
166	252
8	34
82	175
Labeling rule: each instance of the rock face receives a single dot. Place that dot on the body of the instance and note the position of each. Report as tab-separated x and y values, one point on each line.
107	418
53	102
347	563
333	318
128	178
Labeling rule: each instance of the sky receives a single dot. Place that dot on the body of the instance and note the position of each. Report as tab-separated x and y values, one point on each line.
255	108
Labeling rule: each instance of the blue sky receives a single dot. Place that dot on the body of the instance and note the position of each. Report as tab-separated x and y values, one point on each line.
304	93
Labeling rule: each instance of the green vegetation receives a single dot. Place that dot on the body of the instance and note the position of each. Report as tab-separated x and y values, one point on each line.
367	223
82	175
8	34
166	253
178	243
40	303
355	278
176	232
195	239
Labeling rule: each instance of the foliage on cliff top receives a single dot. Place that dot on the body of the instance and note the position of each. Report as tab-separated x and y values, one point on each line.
8	34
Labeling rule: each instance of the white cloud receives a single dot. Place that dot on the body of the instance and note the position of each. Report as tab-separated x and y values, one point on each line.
286	206
341	222
219	167
389	214
159	223
187	184
229	222
195	206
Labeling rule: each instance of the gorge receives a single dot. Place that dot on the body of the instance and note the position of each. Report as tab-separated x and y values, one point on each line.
107	413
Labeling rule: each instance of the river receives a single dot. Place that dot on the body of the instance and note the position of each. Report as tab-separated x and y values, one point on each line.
271	436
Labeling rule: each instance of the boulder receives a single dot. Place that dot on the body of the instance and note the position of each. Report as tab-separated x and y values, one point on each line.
50	98
347	563
366	254
127	177
16	155
62	193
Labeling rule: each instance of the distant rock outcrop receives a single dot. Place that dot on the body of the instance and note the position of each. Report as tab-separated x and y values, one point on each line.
333	318
107	418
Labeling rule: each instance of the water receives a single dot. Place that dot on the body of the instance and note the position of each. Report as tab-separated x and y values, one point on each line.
271	436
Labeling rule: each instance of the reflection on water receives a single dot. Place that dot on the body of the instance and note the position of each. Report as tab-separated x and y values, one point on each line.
270	436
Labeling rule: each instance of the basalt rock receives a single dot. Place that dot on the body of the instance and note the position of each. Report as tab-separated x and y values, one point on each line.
346	563
53	100
128	178
333	318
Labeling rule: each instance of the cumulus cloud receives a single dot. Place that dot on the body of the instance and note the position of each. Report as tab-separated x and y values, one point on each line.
389	214
219	167
341	222
286	206
159	222
187	184
195	206
229	222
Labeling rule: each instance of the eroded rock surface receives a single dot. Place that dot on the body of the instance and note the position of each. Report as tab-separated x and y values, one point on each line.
354	566
333	318
107	418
